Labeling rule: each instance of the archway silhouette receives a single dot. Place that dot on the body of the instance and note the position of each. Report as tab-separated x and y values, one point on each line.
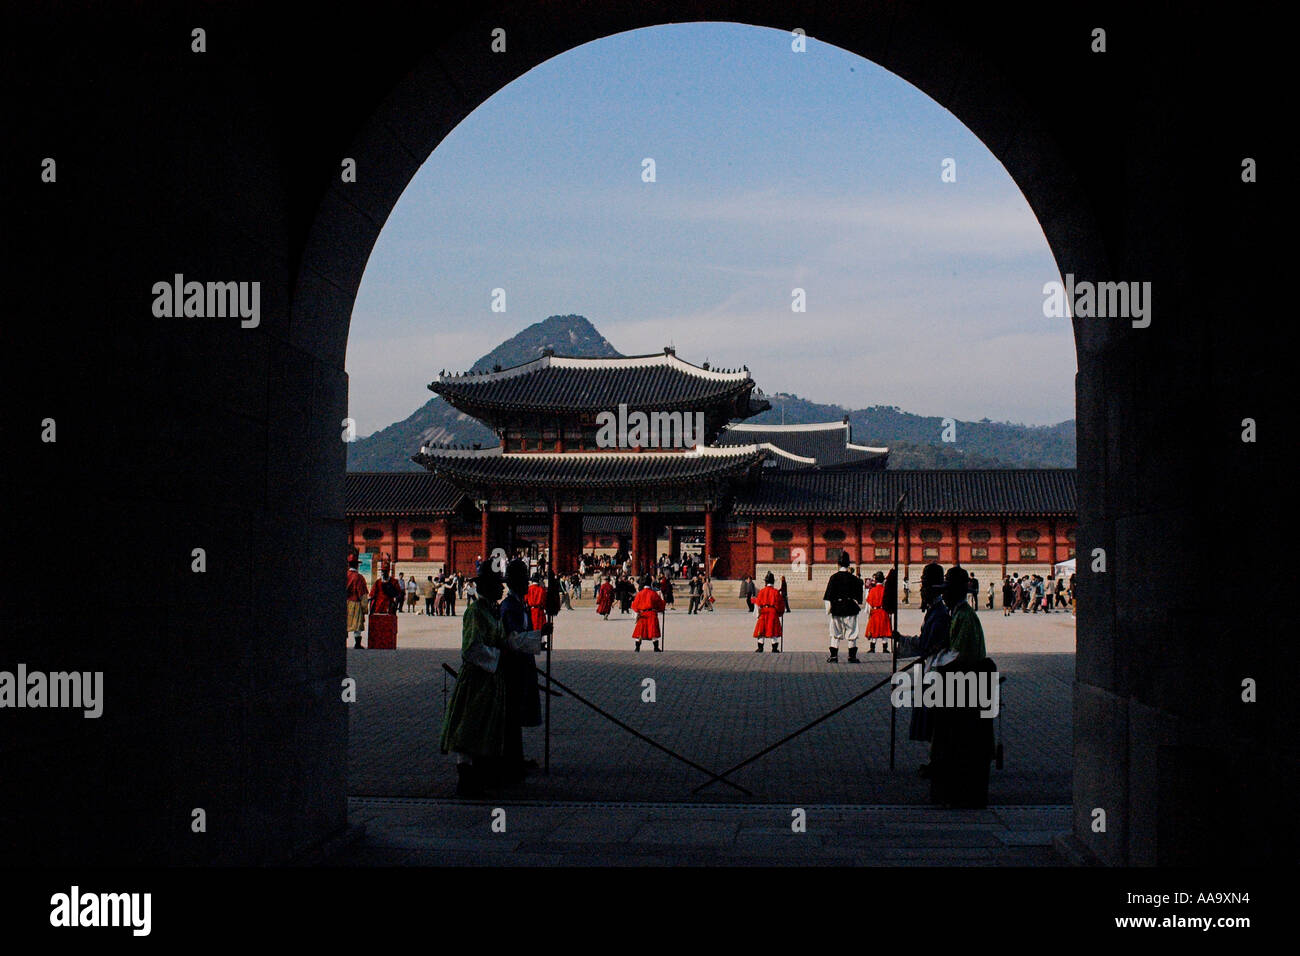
177	435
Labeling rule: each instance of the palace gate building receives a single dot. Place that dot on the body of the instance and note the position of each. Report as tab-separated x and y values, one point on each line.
573	473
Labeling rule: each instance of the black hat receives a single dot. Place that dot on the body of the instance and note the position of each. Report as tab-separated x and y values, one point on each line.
932	575
769	579
879	576
844	559
955	584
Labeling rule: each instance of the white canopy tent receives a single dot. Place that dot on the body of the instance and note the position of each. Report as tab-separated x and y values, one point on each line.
1063	567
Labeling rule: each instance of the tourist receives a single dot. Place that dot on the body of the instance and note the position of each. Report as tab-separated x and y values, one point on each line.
696	589
604	597
1060	591
973	592
1008	596
356	600
449	595
666	591
843	601
412	594
769	606
747	592
471	593
989	605
878	624
427	589
647	605
401	592
785	596
626	591
907	590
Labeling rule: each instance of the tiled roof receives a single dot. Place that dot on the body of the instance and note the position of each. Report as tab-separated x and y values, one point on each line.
613	470
828	443
398	493
607	524
1044	491
554	383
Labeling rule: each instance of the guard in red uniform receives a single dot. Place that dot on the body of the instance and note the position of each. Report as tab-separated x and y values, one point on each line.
769	608
356	600
381	595
647	605
535	598
604	598
878	626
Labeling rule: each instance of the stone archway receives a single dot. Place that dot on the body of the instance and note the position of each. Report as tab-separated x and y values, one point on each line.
182	435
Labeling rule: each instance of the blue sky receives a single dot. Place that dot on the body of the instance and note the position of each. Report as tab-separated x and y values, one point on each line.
775	170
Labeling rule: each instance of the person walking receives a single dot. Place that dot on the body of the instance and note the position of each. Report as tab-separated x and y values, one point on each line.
696	590
785	596
843	602
604	598
747	592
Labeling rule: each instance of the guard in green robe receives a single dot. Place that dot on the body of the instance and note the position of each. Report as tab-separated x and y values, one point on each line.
963	743
475	723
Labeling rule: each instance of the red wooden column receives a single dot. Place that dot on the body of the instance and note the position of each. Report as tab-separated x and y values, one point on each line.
556	546
394	571
636	542
483	534
1006	547
1053	555
956	543
812	550
709	552
907	549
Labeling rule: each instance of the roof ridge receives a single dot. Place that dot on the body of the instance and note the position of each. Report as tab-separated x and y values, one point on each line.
549	360
806	427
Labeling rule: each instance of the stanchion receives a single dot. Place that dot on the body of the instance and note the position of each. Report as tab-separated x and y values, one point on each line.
893	642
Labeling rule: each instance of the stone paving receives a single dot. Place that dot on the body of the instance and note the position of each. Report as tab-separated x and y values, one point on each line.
716	707
613	799
451	833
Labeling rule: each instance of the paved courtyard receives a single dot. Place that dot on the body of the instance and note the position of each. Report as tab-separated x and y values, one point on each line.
716	702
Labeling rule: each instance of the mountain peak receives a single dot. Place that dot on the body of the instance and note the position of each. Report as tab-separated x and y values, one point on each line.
563	334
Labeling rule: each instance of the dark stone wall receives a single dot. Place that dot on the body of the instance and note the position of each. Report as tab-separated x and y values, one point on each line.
222	688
